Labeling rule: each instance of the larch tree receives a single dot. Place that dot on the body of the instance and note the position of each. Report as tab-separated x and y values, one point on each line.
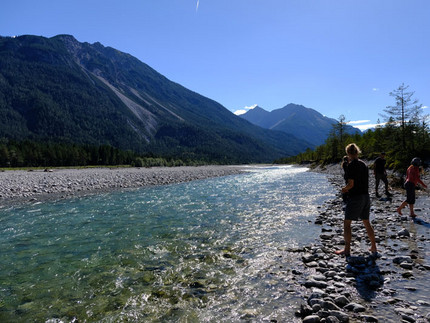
406	109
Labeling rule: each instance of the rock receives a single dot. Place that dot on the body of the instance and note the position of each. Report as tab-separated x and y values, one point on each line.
400	259
407	318
316	308
330	306
403	233
314	283
330	273
317	294
368	318
341	301
312	264
331	319
407	274
404	311
318	277
341	316
308	258
406	265
296	272
354	307
312	319
305	310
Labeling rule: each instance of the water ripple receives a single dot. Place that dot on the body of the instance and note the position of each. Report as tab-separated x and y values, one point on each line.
211	250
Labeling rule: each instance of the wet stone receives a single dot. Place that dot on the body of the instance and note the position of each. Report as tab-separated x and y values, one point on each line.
312	264
406	265
341	316
315	283
312	319
354	307
401	259
368	318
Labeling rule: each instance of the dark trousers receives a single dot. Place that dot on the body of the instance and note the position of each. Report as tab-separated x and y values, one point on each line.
381	177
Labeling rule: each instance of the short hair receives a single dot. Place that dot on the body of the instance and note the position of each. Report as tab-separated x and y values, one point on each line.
416	161
352	149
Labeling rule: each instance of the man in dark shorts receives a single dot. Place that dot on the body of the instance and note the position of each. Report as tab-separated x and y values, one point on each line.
380	174
358	203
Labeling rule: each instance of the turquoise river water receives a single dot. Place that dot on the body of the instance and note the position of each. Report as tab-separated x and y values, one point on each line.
204	251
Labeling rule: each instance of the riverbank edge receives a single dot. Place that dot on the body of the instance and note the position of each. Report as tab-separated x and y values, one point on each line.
21	186
339	289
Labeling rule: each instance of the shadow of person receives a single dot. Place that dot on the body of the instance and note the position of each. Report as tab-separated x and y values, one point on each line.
421	222
368	276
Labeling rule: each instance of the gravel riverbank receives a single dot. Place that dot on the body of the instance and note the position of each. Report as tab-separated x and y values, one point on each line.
394	286
21	186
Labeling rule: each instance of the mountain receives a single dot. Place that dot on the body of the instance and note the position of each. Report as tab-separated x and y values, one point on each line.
302	122
59	89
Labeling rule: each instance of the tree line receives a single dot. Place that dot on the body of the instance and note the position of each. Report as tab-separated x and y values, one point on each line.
403	135
30	153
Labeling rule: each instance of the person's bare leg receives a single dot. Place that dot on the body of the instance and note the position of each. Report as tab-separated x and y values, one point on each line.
411	211
371	235
347	234
399	209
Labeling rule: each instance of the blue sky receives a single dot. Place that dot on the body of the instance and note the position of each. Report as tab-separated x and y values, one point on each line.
335	56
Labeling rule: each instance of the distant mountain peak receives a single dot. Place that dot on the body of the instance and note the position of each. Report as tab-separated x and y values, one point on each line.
298	120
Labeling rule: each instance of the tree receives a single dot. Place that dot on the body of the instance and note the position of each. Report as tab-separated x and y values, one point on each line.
406	109
337	137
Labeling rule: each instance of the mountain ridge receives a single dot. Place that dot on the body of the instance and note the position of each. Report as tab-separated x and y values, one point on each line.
298	120
59	88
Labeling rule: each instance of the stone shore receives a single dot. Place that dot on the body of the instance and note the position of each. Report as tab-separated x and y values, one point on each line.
21	186
391	286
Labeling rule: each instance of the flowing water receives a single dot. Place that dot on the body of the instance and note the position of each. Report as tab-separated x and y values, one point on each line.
205	251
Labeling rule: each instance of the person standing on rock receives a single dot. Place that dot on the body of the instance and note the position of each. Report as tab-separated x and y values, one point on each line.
380	174
358	203
412	179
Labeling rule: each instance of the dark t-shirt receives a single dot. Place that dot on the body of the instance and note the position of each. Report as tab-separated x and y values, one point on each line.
380	165
358	171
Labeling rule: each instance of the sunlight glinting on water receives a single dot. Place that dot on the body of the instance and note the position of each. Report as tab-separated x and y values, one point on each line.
211	250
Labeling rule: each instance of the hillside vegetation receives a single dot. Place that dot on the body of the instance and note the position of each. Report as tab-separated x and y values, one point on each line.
60	91
403	136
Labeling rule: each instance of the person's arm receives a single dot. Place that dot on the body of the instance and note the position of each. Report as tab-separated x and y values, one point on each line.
348	186
421	182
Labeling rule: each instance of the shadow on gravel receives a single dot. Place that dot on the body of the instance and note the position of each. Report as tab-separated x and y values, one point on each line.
367	274
421	222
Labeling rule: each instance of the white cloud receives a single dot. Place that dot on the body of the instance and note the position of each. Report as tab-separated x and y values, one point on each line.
375	89
239	112
424	107
251	107
358	121
367	126
364	124
244	110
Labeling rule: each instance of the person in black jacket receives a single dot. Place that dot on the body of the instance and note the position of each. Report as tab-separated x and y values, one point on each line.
380	174
358	202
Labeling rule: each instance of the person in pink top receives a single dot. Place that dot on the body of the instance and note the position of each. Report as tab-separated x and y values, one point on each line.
412	179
